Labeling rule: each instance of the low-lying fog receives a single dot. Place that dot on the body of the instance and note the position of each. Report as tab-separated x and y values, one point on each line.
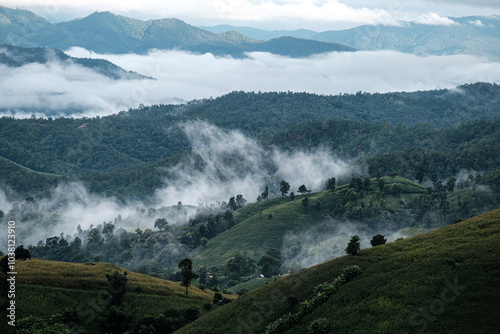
185	76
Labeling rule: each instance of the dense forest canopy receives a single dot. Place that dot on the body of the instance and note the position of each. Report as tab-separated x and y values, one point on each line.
126	154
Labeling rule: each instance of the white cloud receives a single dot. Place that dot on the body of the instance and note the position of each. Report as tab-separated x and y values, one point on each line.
216	11
270	14
477	23
435	19
235	164
185	76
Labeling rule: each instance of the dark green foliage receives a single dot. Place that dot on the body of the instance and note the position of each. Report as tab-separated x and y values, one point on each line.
4	264
401	283
378	239
353	246
419	176
330	184
241	265
284	188
276	253
146	250
303	189
450	184
162	224
269	265
319	326
22	253
237	202
321	294
33	324
117	287
167	322
99	152
117	320
265	194
305	202
217	298
187	274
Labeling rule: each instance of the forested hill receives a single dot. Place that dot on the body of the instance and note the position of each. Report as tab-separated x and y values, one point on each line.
123	154
263	114
14	56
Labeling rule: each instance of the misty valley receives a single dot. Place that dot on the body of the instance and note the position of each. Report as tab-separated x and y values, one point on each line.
249	204
156	177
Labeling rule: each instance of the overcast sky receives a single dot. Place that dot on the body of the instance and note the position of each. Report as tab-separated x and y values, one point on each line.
318	15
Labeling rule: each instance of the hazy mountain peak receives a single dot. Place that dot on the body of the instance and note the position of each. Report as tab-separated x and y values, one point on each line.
19	16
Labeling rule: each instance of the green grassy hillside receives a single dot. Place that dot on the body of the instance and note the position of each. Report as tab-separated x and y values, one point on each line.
445	281
45	288
265	225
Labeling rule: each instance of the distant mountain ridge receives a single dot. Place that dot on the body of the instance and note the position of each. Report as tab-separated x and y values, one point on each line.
475	35
14	56
105	32
469	35
262	34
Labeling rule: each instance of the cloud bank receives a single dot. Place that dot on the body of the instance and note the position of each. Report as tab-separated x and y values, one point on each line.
226	164
318	15
184	76
234	164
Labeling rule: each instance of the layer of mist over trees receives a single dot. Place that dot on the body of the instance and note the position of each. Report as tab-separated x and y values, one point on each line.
124	155
128	156
375	204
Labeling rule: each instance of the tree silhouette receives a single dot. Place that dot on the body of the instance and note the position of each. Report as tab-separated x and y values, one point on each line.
353	246
303	189
331	184
284	188
187	274
22	253
378	239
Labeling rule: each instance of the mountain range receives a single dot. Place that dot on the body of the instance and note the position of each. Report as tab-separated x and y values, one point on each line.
475	35
105	32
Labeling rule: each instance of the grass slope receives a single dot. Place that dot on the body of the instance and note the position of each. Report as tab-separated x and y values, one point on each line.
255	232
445	281
47	287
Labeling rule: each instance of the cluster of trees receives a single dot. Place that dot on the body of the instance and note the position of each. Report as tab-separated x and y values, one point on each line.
240	268
208	224
146	251
365	201
354	245
416	152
